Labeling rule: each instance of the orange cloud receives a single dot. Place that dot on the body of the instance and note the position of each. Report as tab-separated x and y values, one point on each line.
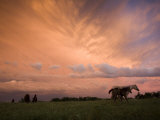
68	33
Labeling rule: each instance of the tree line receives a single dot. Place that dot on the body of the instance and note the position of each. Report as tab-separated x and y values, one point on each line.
27	98
75	99
148	95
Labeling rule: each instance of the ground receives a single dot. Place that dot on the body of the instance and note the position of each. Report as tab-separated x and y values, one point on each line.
146	109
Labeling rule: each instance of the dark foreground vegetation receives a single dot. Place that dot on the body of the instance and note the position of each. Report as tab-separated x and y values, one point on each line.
136	109
75	99
26	98
148	95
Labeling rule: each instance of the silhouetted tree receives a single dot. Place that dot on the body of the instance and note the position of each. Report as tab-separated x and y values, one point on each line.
68	99
56	99
27	98
139	96
148	95
156	94
34	98
75	99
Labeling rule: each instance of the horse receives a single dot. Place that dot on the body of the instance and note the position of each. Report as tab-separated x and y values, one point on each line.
122	91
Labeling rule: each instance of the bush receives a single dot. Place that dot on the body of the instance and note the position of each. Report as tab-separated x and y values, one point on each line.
27	98
148	95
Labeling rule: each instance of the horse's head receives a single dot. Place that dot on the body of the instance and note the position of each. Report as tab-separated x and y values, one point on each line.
135	87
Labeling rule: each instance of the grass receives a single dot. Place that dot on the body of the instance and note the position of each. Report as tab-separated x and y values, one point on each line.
146	109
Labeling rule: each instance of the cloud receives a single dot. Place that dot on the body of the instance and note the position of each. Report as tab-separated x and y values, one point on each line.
95	74
124	34
37	66
90	68
106	68
11	63
5	79
54	67
108	71
111	71
106	29
78	68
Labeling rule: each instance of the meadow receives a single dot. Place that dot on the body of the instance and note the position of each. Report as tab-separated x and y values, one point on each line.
142	109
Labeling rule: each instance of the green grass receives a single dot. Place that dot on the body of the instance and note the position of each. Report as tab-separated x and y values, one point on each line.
147	109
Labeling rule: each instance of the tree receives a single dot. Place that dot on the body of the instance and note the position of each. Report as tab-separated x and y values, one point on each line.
56	99
156	94
148	95
139	96
27	98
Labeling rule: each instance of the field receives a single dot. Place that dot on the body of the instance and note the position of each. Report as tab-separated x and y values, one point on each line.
146	109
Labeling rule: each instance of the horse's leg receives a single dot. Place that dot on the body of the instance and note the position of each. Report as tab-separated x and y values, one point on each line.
121	97
114	98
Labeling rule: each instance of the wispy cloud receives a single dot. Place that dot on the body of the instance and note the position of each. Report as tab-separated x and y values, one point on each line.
11	63
124	35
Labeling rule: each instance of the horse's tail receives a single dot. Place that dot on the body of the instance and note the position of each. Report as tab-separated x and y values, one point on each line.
110	91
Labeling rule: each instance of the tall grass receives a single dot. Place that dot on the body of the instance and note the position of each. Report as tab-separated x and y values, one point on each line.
146	109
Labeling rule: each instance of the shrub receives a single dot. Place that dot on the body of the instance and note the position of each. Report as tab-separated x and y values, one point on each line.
27	98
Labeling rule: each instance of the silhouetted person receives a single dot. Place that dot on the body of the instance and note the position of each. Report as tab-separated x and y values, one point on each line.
27	98
12	101
34	98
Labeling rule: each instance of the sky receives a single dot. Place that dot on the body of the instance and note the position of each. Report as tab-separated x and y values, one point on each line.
57	48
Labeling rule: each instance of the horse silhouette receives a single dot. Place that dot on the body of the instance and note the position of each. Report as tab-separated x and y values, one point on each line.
122	91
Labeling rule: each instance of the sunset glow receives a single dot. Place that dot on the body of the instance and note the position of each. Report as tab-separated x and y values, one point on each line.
57	48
